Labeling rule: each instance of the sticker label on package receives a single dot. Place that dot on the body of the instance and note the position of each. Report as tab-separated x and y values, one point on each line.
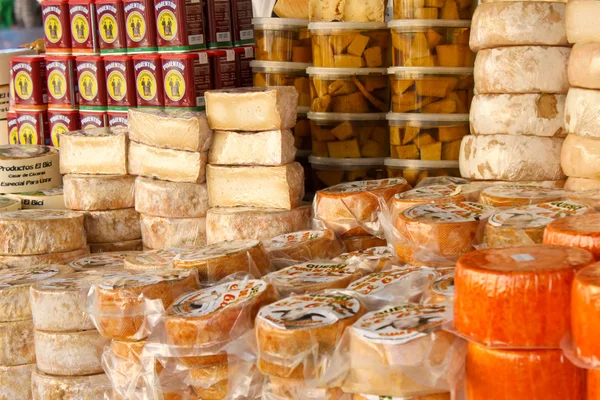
365	186
537	215
371	254
72	284
157	258
290	239
25	276
101	260
218	250
522	192
430	192
374	283
146	278
311	273
450	212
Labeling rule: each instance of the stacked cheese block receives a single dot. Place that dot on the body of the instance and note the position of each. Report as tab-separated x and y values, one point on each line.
97	184
168	151
581	150
521	82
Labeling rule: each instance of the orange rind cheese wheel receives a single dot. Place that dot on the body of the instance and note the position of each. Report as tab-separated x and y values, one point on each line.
516	297
578	231
359	243
585	314
350	209
593	384
304	246
509	196
373	259
434	194
494	374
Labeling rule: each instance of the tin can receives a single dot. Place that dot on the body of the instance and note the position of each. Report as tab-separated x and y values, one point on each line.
29	82
84	33
110	19
180	25
120	82
61	121
218	23
33	127
186	78
140	24
61	77
91	119
223	67
57	26
117	118
241	22
243	57
13	127
149	81
4	101
91	81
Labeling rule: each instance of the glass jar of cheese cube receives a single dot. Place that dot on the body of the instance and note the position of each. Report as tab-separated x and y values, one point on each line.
350	44
349	90
434	9
431	137
282	39
302	130
274	73
414	171
338	135
431	44
331	171
436	90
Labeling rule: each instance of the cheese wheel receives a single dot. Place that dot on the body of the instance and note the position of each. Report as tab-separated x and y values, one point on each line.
585	313
28	168
581	111
162	233
437	234
29	232
511	158
313	277
437	396
525	225
125	245
210	383
241	223
170	199
112	225
98	192
16	342
590	198
99	151
15	382
509	196
369	260
495	288
581	231
581	184
303	246
536	114
131	351
9	203
434	194
441	290
522	69
220	260
388	346
580	157
153	259
581	19
495	374
49	387
46	199
351	209
102	260
593	384
518	23
296	389
41	259
289	329
360	243
583	65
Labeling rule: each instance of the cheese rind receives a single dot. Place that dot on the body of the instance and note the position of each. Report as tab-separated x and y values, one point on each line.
16	342
581	184
112	225
584	65
361	243
518	114
252	148
99	261
582	21
170	199
49	387
577	231
264	187
164	233
15	382
126	245
511	158
581	112
522	69
510	196
94	151
41	259
580	157
584	315
252	109
98	192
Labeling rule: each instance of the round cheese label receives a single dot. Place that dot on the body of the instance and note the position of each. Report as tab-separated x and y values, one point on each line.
310	311
174	85
136	26
537	215
146	278
154	258
292	239
23	215
217	298
146	85
57	84
449	212
400	324
376	282
101	260
63	284
311	273
433	192
53	28
26	276
370	254
117	85
217	250
365	186
522	192
444	285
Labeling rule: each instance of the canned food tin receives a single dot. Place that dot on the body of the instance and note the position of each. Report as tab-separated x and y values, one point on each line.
91	119
223	67
149	81
111	26
92	82
57	26
117	118
61	121
120	82
13	127
218	23
241	22
140	25
186	77
180	25
84	39
4	100
61	76
29	82
244	55
33	127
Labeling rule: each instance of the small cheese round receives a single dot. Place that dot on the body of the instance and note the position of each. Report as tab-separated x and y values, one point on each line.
509	196
581	111
51	387
581	231
41	259
584	65
370	260
303	246
98	192
125	245
582	21
102	260
112	225
170	199
580	157
497	289
211	382
580	184
16	342
585	312
162	233
15	382
518	23
434	194
153	259
360	243
522	69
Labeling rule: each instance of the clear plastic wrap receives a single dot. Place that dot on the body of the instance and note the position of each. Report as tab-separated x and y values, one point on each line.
590	198
441	290
577	231
497	289
581	21
297	389
152	259
92	387
370	260
346	11
414	171
327	171
510	196
452	9
234	380
361	243
273	73
170	199
100	261
583	65
164	233
98	192
285	40
289	248
434	194
112	225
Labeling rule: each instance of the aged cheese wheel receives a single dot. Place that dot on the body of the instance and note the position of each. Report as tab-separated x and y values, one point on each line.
292	389
9	203
369	260
522	69
583	65
112	225
101	151
290	328
273	147
99	192
312	277
360	243
511	158
581	184
303	246
536	114
41	259
220	260
241	223
15	382
497	374
100	261
350	209
16	342
170	199
437	396
50	387
210	382
581	109
40	161
518	23
162	233
585	314
385	344
581	19
525	225
29	232
590	198
578	231
125	245
593	384
434	194
47	199
497	287
509	196
152	259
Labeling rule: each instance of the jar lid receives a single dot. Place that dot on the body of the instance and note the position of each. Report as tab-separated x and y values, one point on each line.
330	116
420	164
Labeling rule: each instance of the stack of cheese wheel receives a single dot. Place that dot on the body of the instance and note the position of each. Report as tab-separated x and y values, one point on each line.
581	151
521	80
168	151
575	231
96	183
17	358
497	289
290	248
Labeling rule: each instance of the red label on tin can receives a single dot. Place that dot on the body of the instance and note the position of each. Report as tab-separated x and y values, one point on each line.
180	25
33	127
244	55
29	81
57	27
218	18
84	35
62	121
186	78
61	76
120	81
13	127
241	22
149	80
110	19
224	68
92	82
140	25
93	119
117	118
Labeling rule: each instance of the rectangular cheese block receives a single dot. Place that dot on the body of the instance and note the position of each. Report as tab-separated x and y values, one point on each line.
101	151
252	109
346	10
167	164
266	187
252	148
170	129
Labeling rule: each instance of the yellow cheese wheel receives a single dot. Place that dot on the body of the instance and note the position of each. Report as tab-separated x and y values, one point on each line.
285	249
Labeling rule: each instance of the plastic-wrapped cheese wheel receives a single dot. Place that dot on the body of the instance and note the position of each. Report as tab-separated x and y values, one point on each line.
285	249
296	389
590	198
290	329
518	195
152	259
370	260
494	374
210	382
435	194
578	231
437	396
581	184
102	260
359	243
497	289
441	290
585	314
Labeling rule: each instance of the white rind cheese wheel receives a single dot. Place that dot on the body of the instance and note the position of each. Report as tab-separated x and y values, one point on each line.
584	66
41	259
125	245
580	157
252	148
49	199
170	199
112	225
94	151
49	387
518	23
241	223
102	260
581	112
522	69
15	382
511	158
28	168
16	342
69	353
161	233
99	192
581	184
518	114
582	21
